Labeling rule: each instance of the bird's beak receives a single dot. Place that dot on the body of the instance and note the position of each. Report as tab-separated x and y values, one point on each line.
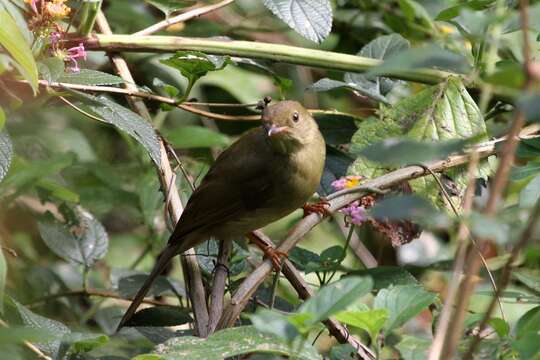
273	130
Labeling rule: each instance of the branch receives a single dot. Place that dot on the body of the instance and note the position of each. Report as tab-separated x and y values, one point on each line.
88	292
218	286
182	17
187	106
258	50
304	292
336	201
192	273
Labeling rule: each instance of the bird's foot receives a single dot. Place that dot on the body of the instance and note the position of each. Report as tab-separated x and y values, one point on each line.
275	256
319	207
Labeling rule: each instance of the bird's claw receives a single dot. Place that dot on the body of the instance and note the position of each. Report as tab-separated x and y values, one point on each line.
275	256
319	207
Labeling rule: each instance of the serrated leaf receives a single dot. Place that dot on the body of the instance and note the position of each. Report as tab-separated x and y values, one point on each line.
333	298
187	137
170	6
83	245
164	315
193	65
6	152
56	328
310	18
402	303
16	45
89	77
228	343
125	120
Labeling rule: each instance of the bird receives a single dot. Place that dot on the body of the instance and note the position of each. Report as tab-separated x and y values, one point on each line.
269	172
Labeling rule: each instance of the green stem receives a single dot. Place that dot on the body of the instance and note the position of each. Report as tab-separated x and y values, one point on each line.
259	50
90	9
344	254
86	270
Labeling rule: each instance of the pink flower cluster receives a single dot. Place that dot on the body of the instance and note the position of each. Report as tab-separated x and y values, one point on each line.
357	214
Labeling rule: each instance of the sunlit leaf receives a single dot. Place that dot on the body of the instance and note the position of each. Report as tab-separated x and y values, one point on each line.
371	321
310	18
15	44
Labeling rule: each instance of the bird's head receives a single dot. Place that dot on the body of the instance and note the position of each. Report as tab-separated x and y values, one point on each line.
288	125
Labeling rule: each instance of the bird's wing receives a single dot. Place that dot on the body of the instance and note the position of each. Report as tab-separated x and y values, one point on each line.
237	183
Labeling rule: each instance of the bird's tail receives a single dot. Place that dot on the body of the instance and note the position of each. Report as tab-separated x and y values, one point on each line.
166	255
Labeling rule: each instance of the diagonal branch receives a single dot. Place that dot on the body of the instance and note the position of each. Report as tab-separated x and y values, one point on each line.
336	201
183	17
194	283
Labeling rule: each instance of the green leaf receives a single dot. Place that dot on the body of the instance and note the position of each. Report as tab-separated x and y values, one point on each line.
125	120
274	323
310	18
187	137
170	6
408	207
527	346
430	56
372	321
14	42
6	152
129	285
528	148
531	278
384	276
522	172
353	82
529	323
3	276
84	244
500	326
530	193
193	65
51	68
413	348
84	342
2	119
529	104
56	328
89	77
164	315
396	152
228	343
402	303
335	297
454	11
416	13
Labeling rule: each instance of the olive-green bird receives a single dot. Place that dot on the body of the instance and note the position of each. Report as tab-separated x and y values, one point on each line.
269	172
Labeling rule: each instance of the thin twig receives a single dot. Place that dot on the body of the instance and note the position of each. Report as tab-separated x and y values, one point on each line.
192	272
444	319
497	189
182	17
87	292
257	276
221	273
29	345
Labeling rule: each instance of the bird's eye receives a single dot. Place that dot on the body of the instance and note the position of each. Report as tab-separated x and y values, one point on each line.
296	116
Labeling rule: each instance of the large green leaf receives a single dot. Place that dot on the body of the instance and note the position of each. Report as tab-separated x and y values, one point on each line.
402	303
6	151
444	112
83	244
310	18
371	321
14	42
529	323
125	120
228	343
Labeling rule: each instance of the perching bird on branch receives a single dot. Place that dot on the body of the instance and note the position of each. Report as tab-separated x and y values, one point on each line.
269	172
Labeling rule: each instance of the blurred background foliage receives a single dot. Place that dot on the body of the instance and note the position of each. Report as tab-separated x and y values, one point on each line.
102	185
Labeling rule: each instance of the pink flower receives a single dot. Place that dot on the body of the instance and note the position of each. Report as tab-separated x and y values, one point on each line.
356	213
347	182
73	54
